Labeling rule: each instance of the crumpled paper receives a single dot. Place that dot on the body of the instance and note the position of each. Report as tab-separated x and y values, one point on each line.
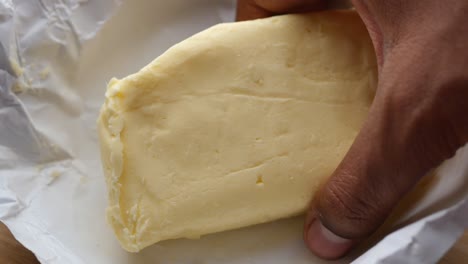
55	59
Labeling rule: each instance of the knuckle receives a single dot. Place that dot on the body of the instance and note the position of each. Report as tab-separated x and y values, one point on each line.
349	211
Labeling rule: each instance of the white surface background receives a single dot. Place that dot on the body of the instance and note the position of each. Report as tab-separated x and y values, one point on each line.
52	192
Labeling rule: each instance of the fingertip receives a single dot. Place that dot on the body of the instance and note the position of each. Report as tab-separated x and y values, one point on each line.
248	10
254	9
323	242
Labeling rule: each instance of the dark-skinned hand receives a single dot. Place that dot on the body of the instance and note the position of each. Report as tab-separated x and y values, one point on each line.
418	119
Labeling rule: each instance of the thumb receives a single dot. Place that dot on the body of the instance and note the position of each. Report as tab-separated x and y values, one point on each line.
356	199
402	139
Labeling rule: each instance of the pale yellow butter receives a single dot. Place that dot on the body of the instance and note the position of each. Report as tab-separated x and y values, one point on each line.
235	126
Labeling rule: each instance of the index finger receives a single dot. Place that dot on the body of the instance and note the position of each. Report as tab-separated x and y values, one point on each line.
253	9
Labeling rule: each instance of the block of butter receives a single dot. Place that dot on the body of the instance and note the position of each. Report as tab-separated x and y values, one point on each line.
234	126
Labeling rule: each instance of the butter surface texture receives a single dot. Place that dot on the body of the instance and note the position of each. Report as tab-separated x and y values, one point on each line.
235	126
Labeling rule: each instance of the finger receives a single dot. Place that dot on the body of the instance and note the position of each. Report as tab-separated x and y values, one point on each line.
403	138
248	10
253	9
355	199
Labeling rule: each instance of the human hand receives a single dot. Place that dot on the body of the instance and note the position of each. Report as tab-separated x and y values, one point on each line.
418	119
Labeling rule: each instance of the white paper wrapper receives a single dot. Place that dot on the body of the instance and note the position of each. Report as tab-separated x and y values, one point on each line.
55	59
